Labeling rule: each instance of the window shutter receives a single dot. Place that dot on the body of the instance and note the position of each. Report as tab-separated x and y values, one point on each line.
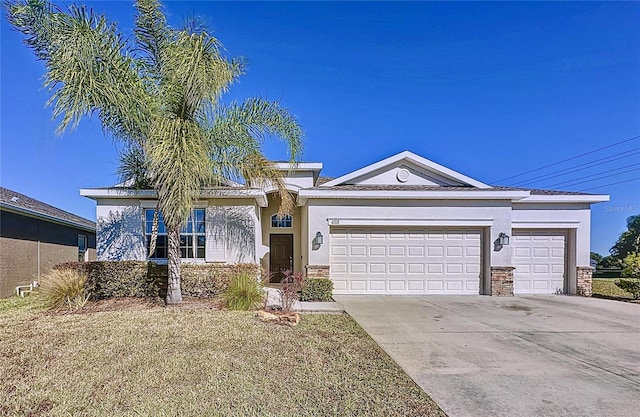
216	233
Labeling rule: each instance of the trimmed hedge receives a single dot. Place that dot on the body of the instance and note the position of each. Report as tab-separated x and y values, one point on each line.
630	285
317	289
210	280
110	279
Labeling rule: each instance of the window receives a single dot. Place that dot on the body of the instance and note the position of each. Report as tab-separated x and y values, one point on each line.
82	248
281	221
192	235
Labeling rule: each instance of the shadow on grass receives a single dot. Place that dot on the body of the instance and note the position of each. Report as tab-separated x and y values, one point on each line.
616	298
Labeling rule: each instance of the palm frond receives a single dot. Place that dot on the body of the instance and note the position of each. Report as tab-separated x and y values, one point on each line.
133	169
36	19
196	75
260	119
179	159
152	32
236	138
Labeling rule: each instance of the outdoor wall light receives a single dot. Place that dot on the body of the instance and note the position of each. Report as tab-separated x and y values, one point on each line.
503	238
319	239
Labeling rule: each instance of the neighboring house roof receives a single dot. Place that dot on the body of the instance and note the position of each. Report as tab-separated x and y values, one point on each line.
19	203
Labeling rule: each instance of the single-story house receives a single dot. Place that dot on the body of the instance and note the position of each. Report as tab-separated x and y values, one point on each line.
35	236
403	225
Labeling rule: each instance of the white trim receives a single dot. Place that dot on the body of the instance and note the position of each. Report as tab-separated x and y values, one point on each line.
566	198
116	193
299	166
545	224
410	157
290	187
148	204
304	195
97	193
410	222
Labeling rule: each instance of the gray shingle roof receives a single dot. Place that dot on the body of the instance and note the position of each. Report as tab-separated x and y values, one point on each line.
21	202
398	187
323	180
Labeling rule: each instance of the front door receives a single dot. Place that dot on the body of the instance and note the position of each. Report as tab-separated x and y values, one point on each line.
281	256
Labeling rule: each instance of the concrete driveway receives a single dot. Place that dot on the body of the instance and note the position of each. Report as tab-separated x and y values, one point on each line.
512	356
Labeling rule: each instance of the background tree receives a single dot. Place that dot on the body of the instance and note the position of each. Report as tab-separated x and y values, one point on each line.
160	95
610	262
629	240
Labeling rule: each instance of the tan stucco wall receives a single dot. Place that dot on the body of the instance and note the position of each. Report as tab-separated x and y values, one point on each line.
274	203
19	261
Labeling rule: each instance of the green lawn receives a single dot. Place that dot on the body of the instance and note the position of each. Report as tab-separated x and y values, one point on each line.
606	288
161	361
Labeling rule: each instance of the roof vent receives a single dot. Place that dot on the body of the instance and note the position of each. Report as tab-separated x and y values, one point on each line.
15	199
403	175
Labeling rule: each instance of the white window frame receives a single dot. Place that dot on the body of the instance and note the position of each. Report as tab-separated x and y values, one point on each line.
281	221
194	234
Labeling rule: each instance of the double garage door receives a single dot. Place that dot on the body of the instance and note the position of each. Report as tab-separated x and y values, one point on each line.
405	261
439	261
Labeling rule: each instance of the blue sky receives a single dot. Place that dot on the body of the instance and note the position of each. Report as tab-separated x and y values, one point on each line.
488	89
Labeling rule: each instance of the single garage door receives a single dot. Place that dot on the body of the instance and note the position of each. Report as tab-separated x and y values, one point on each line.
405	261
539	258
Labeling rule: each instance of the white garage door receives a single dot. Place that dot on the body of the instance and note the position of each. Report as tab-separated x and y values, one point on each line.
539	258
405	261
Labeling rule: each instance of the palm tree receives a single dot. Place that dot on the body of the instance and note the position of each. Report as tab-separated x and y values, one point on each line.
159	95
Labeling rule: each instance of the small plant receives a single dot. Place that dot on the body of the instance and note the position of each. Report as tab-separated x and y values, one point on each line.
629	285
244	292
631	266
317	289
61	287
291	285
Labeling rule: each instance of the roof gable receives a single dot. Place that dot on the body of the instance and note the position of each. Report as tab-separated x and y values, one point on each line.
406	168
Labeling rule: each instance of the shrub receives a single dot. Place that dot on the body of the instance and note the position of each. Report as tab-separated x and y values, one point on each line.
244	292
109	279
290	286
211	280
631	266
61	287
630	285
317	289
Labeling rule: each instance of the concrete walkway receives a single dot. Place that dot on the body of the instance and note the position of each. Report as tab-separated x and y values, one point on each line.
512	356
273	299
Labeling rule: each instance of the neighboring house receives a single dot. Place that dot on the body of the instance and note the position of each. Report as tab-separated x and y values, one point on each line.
404	225
35	236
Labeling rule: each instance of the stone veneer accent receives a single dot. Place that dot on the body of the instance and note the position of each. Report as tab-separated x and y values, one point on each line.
317	271
502	280
584	275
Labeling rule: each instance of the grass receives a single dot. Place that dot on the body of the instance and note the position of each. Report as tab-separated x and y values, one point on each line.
606	288
195	362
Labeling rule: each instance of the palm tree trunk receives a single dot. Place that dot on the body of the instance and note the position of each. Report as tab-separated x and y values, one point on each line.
174	295
154	232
